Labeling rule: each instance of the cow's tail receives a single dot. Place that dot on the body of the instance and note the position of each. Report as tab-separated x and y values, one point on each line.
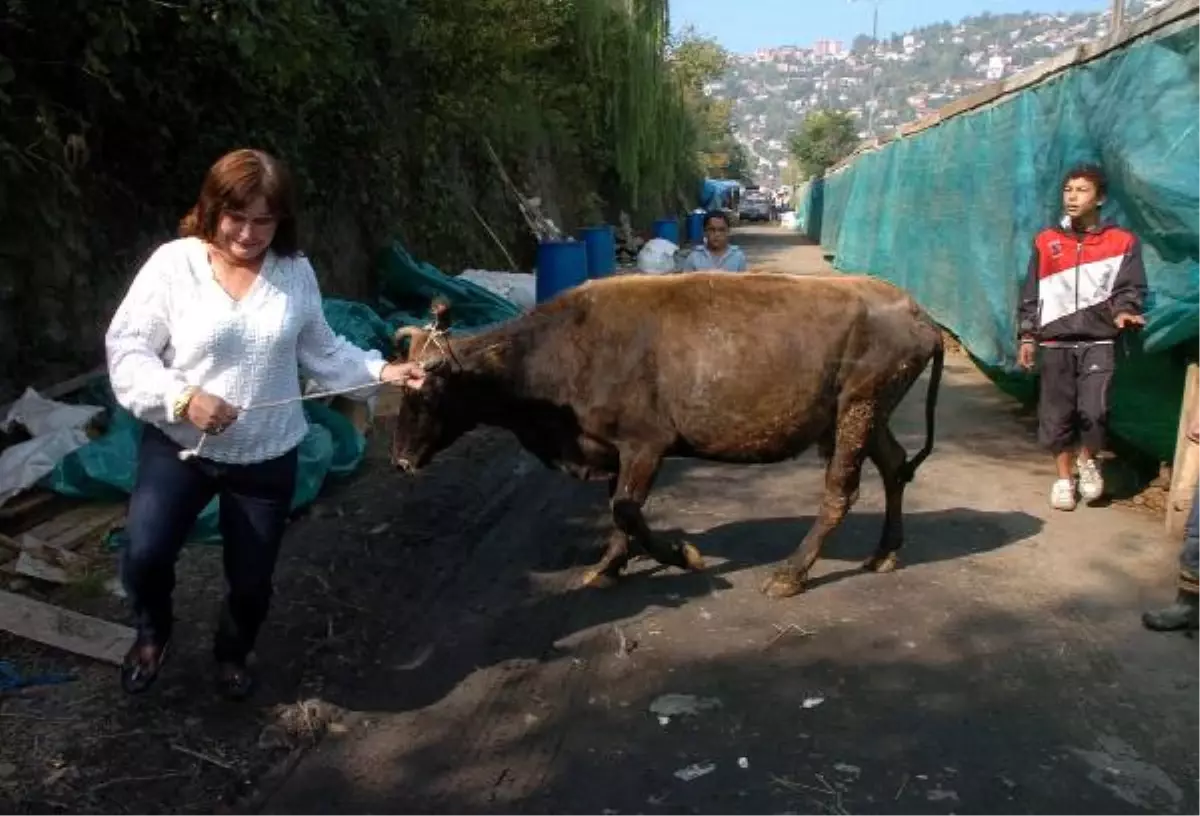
935	380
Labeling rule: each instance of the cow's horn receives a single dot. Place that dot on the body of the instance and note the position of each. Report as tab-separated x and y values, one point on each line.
410	332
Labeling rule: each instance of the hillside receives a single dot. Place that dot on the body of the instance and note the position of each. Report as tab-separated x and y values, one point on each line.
921	70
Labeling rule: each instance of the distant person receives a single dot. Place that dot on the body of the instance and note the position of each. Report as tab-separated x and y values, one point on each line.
1184	613
224	317
716	253
1084	286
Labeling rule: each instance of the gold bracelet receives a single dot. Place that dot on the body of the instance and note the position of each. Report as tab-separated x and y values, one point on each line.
179	408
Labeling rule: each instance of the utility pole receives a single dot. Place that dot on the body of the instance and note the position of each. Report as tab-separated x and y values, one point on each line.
872	104
1118	17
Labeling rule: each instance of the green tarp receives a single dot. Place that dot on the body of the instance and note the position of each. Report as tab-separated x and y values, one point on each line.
950	214
106	468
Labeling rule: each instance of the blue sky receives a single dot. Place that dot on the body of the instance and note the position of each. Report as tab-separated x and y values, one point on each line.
751	24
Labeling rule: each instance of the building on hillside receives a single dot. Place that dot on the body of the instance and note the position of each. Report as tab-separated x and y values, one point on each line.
829	48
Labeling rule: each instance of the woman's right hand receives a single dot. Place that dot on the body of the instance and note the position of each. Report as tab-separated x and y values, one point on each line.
210	413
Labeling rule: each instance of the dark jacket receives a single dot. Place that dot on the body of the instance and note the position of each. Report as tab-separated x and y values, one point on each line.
1078	283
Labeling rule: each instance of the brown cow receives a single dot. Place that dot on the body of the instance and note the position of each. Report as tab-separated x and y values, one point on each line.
608	378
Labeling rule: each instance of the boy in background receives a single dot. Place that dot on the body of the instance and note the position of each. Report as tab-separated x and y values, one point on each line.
1085	285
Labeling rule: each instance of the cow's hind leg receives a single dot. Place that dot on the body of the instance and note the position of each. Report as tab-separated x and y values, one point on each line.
842	476
889	458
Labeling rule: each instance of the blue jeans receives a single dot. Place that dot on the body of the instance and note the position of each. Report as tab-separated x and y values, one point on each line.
1189	559
167	499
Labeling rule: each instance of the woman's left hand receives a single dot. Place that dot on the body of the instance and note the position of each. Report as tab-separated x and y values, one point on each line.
409	375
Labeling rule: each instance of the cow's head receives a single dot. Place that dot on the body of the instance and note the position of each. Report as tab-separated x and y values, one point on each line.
433	416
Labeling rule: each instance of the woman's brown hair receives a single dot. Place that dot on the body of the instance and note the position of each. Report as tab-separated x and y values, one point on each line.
235	180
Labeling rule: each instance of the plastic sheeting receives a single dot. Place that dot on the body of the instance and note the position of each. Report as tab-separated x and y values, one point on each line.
715	194
106	468
950	213
55	429
518	287
658	257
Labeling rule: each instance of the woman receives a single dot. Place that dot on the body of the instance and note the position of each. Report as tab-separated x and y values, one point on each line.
716	253
222	319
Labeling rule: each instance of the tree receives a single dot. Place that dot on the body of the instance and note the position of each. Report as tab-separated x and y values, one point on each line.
739	163
825	138
697	61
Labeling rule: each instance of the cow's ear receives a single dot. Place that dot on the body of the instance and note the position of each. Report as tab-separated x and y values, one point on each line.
440	309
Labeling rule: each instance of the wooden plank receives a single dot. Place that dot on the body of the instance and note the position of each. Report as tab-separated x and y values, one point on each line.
7	542
51	568
1185	470
64	629
25	503
70	529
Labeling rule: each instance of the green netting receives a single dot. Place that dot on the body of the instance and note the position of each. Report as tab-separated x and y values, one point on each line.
407	286
810	201
106	468
950	214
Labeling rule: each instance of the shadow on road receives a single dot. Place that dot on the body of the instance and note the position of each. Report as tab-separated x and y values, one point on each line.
930	537
500	612
914	713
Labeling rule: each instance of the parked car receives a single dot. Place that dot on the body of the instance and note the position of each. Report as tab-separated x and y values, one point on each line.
755	208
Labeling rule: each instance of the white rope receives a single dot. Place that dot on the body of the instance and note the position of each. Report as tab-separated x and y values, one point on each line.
435	336
188	453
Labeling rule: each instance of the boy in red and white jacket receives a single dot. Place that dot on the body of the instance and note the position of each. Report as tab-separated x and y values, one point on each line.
1085	285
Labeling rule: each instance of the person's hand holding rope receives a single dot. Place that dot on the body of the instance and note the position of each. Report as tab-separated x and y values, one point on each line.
210	413
408	375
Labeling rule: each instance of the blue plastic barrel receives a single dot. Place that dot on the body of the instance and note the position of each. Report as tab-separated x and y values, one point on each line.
560	265
667	228
601	243
695	227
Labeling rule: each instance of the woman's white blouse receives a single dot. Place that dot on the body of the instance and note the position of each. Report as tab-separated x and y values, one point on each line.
177	327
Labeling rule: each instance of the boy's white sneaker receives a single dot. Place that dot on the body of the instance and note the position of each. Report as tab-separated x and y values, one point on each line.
1091	483
1062	495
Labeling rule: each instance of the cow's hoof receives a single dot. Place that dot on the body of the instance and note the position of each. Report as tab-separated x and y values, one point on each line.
594	579
783	585
692	559
884	563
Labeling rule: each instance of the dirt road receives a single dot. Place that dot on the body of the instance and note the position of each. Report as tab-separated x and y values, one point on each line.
1002	670
431	629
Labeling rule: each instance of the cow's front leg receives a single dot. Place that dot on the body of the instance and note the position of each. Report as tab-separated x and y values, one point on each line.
616	555
606	573
639	467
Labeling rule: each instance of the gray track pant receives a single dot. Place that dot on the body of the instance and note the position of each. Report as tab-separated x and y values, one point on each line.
1073	403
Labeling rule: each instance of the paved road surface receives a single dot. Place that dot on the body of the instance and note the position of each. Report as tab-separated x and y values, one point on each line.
1001	669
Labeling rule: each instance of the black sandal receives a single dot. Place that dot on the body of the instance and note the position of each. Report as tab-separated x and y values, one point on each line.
141	666
234	680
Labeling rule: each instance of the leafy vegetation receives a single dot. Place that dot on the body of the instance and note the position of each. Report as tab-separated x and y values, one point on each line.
824	138
908	75
699	61
386	110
